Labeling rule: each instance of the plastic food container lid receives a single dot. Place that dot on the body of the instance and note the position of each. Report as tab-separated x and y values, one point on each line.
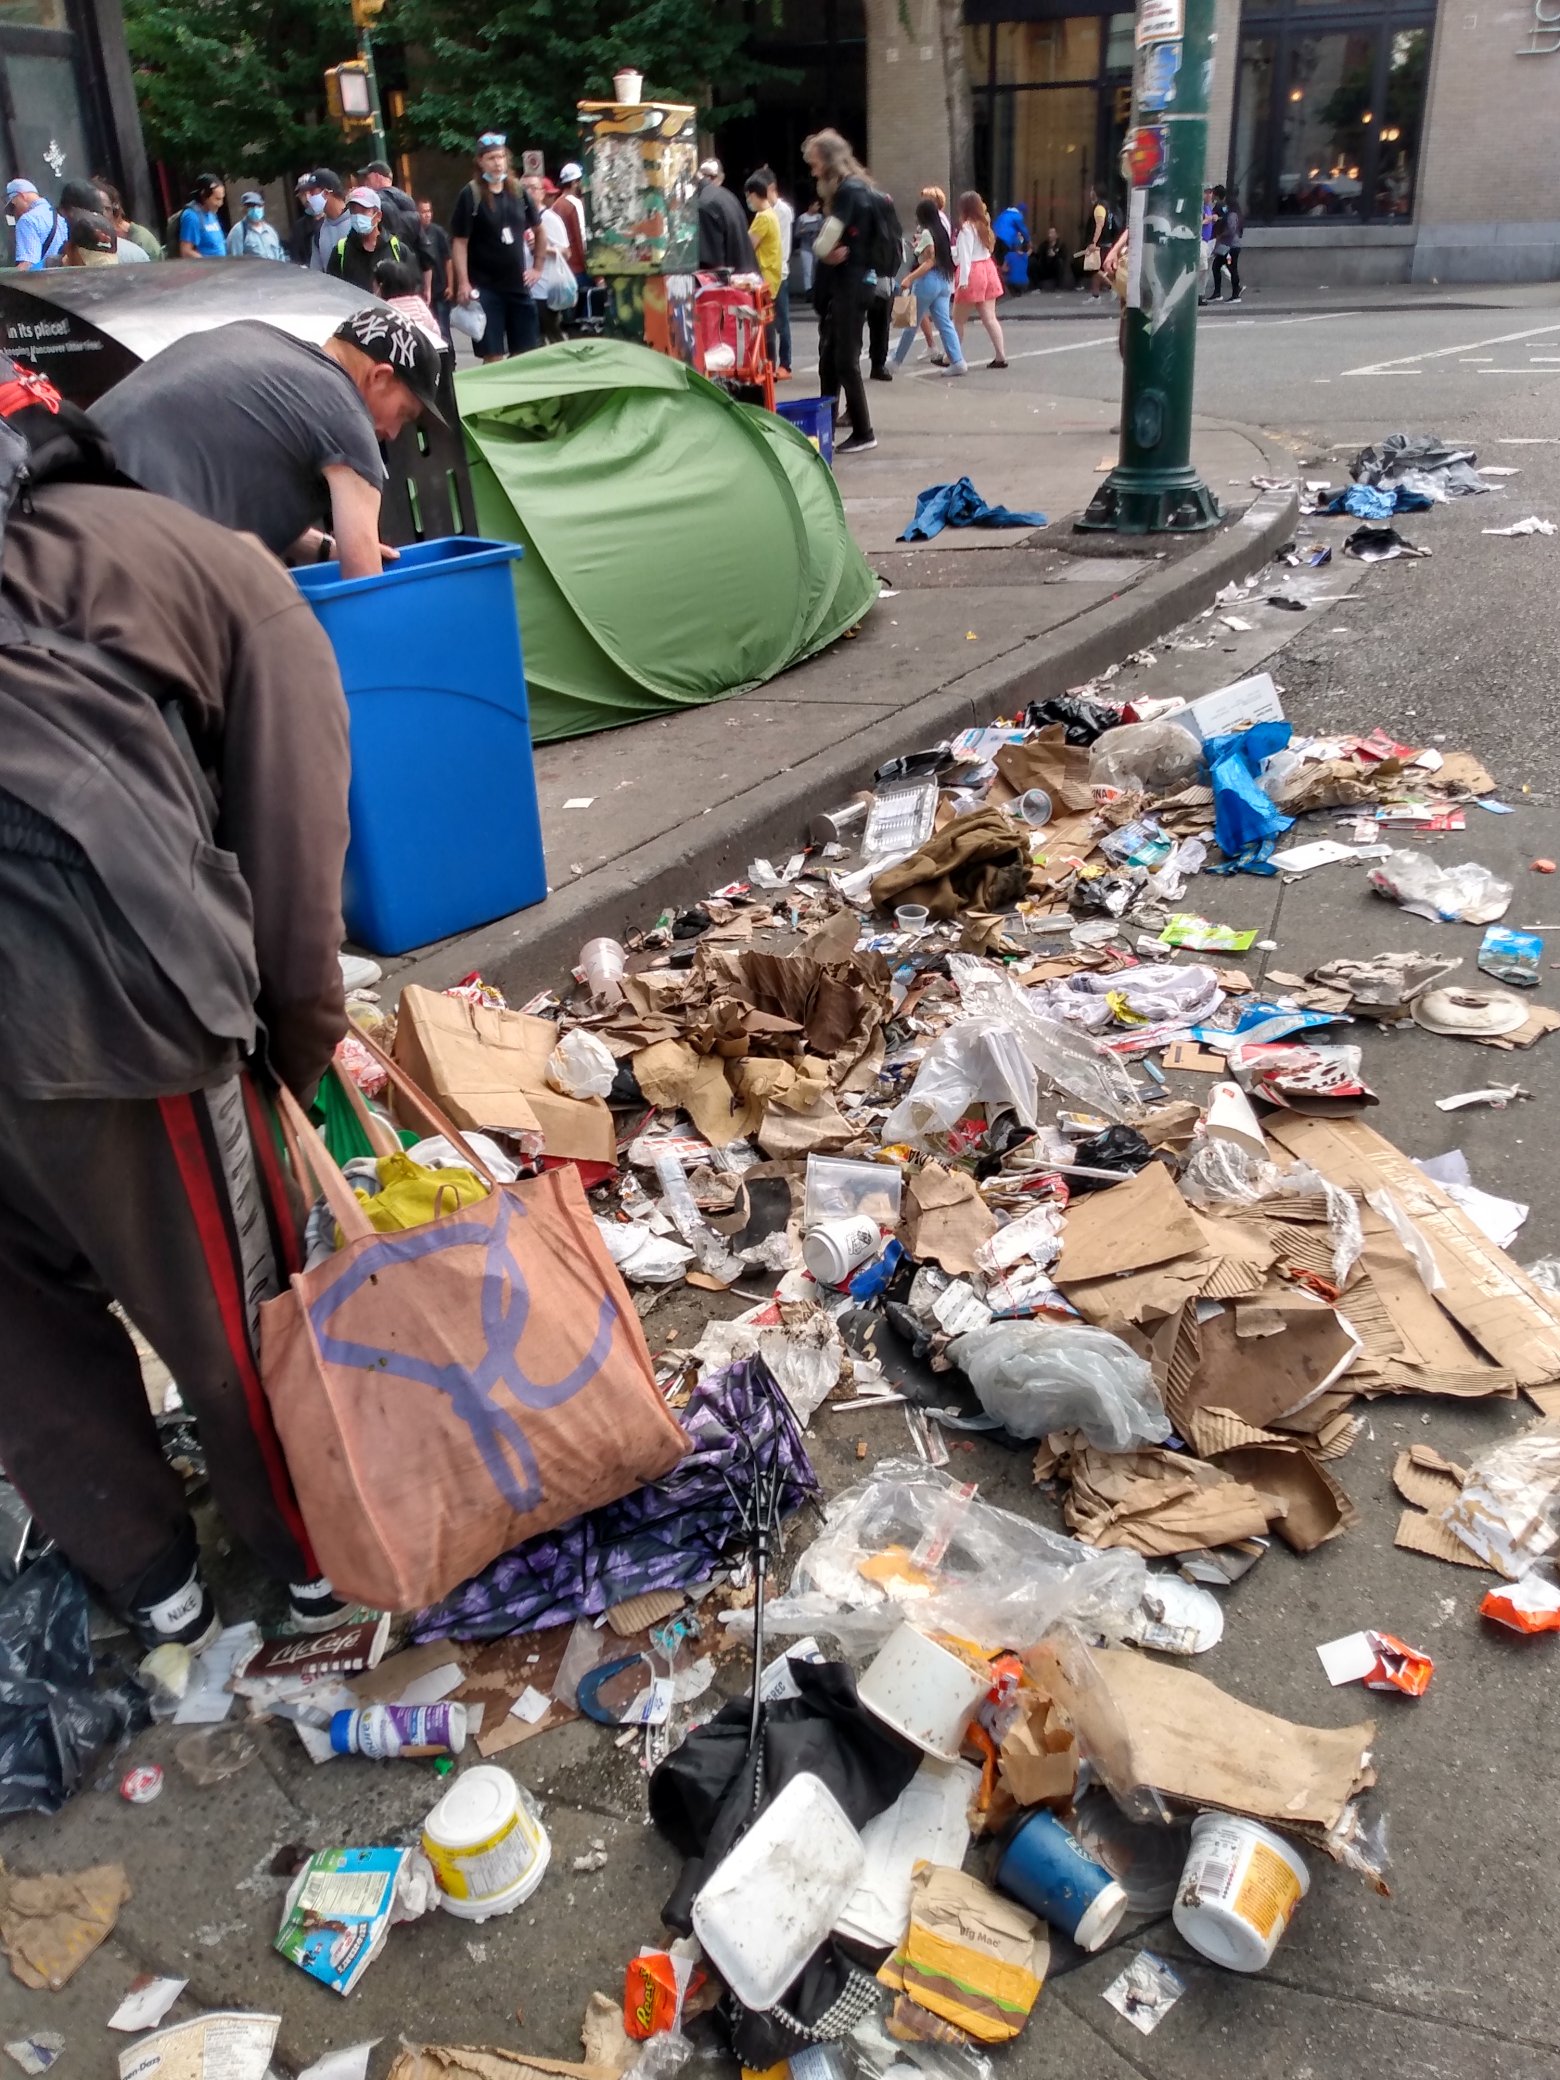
1469	1011
770	1903
477	1806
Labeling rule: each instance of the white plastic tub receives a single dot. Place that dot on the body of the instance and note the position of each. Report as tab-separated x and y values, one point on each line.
767	1906
487	1846
1239	1889
924	1692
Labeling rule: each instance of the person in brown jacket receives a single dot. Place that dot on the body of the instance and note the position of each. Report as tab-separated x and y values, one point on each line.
173	823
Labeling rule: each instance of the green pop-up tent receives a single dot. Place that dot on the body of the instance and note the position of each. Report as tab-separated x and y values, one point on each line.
679	545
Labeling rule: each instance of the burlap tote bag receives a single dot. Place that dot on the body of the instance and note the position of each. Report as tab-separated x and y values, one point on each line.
444	1393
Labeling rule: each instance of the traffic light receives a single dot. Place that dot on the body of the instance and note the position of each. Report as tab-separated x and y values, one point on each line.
366	12
349	96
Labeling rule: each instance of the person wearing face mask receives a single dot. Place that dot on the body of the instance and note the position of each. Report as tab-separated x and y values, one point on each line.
325	199
305	225
268	434
358	258
498	248
252	238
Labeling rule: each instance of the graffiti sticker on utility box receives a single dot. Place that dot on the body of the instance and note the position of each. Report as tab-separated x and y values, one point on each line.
1159	21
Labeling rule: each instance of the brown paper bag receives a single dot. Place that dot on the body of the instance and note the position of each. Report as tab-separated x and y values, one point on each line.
443	1393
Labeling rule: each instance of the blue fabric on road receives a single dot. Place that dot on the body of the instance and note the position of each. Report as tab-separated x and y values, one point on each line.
960	505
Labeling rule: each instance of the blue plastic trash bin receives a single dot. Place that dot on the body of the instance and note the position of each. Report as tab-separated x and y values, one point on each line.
813	416
445	829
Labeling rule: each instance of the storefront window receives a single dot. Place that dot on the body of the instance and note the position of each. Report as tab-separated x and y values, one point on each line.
1043	155
33	14
1327	121
1043	54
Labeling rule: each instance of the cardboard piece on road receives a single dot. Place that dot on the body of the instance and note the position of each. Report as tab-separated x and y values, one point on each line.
945	1217
1049	761
672	1074
1157	1503
1262	1360
1187	1055
488	1068
388	1683
1142	1722
1431	1483
1232	707
1541	1019
50	1926
970	1956
1411	1346
500	1672
475	2062
1315	1505
1516	1322
1141	1297
1038	1759
1142	1222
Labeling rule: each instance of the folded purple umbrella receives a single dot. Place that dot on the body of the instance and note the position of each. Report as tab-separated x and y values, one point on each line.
667	1535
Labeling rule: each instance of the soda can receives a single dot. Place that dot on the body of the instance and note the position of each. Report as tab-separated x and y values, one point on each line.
139	1786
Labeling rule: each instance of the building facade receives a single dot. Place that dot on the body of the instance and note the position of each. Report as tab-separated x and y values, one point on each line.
1367	140
67	98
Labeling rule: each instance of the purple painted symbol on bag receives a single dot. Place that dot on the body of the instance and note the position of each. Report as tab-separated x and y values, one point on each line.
471	1390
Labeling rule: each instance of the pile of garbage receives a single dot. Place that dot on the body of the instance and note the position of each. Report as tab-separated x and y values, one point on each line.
892	1122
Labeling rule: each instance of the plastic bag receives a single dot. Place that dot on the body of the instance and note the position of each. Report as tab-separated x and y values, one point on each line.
55	1718
1465	894
912	1544
1035	1377
1509	1509
980	1061
1546	1273
582	1065
1246	820
1220	1174
1072	1061
468	318
1145	757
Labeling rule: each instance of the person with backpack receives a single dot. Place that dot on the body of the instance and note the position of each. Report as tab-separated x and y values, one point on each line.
889	257
845	251
1229	231
39	233
360	257
978	283
201	236
173	827
497	249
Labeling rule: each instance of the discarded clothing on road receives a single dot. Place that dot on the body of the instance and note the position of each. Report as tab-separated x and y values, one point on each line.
960	505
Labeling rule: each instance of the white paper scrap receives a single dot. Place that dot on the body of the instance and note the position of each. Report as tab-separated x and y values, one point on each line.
530	1706
147	2002
1347	1660
349	2063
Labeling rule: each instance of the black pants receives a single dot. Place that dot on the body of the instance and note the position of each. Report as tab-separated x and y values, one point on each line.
180	1209
839	351
512	323
879	310
1230	260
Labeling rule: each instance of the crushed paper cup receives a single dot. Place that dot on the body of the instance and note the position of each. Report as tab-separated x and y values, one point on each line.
1379	1660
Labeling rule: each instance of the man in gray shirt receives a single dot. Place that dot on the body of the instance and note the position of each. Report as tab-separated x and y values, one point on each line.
270	435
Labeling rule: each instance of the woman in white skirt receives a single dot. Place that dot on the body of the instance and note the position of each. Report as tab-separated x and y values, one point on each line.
978	282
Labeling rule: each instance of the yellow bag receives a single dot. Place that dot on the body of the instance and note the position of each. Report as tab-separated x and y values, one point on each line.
411	1195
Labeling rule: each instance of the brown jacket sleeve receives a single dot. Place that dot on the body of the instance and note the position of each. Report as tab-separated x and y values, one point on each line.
285	765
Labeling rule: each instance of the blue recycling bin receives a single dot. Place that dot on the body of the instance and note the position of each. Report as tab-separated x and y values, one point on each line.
445	829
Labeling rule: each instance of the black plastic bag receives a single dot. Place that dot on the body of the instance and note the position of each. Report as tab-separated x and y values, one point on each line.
1118	1148
1083	720
54	1717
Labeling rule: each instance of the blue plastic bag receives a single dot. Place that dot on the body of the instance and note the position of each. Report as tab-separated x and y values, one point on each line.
1246	821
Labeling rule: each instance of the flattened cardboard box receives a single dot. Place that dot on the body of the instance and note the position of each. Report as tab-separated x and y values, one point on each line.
488	1068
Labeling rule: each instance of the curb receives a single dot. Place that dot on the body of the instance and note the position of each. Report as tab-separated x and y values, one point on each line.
537	949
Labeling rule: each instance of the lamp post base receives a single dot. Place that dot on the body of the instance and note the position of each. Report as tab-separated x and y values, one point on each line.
1151	501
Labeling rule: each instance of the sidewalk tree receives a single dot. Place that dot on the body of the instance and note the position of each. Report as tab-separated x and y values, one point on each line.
236	87
520	65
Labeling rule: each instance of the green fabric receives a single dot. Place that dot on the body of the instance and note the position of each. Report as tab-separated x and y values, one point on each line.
679	546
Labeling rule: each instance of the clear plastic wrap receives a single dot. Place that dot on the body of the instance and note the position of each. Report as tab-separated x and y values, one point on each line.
1145	757
1035	1377
1546	1273
909	1543
1222	1174
1509	1510
870	2053
980	1061
1465	894
1156	994
1072	1061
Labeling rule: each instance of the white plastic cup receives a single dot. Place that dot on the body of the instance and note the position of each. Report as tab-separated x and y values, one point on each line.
926	1694
628	85
1239	1889
487	1847
603	961
912	917
1035	807
835	1249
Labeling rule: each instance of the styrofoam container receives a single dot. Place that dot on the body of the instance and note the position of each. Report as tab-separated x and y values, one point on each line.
1240	1886
768	1905
925	1693
487	1847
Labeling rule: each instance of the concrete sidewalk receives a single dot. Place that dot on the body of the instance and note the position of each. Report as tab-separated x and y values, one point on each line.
971	626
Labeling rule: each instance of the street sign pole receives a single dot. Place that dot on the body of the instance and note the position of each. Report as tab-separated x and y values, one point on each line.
1154	489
